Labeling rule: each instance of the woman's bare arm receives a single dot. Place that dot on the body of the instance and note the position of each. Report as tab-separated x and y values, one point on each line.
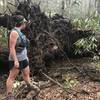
12	44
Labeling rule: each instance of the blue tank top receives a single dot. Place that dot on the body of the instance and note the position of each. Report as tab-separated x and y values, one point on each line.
21	50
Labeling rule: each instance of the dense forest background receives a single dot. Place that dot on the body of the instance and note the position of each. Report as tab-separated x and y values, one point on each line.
84	13
64	51
70	8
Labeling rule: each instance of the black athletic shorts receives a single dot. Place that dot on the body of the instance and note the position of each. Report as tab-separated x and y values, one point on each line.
22	64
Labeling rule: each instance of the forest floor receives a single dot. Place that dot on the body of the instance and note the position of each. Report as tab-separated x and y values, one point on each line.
79	80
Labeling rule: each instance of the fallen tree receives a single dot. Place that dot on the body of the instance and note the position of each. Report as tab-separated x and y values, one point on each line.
50	37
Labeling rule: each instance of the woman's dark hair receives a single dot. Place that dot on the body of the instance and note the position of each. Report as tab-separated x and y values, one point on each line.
18	25
19	20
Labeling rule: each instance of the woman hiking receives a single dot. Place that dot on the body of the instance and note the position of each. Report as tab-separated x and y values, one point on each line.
18	59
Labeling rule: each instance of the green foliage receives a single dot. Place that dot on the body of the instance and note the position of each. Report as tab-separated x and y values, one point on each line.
86	45
70	80
97	64
3	37
92	22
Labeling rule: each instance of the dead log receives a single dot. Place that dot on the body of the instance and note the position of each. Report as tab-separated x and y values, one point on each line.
49	37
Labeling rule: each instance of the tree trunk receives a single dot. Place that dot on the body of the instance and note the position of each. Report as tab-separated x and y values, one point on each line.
98	6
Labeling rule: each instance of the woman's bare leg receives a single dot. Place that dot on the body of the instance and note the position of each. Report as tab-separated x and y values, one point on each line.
26	77
12	75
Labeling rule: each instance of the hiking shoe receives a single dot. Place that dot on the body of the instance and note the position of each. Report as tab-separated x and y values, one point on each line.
10	96
33	87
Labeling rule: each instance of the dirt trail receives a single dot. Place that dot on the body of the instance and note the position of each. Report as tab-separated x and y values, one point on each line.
81	82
